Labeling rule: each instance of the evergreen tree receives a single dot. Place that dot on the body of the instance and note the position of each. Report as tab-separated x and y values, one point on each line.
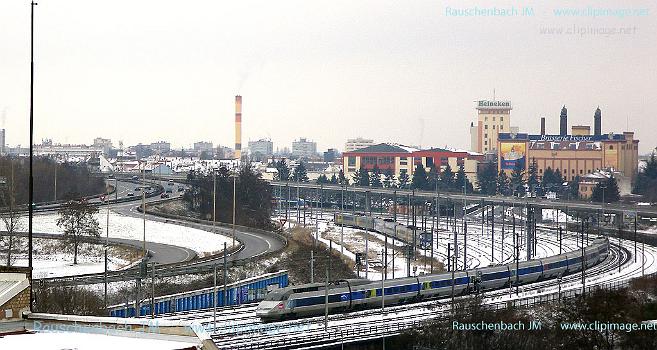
462	178
356	177
646	181
532	178
573	186
364	178
341	179
361	177
548	181
503	185
434	177
447	179
334	179
283	170
518	179
487	178
651	167
389	180
608	192
375	177
322	179
420	180
300	173
403	179
558	177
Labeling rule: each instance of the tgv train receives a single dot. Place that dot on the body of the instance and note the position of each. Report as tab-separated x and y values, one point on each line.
345	295
385	226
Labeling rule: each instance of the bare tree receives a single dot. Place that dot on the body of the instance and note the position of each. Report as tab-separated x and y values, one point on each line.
11	218
78	220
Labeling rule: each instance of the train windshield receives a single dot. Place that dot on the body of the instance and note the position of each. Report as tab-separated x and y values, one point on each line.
275	295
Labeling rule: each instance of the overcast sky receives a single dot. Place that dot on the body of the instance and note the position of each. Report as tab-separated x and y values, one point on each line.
397	71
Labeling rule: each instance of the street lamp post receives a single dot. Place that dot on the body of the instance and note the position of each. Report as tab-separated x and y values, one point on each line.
143	207
234	202
214	199
31	179
106	245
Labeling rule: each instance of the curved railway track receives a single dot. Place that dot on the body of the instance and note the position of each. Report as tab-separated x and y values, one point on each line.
239	328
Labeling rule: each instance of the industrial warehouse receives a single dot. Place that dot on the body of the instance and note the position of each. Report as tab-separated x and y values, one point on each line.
579	153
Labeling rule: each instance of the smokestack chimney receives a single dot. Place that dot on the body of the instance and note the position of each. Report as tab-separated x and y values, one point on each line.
563	122
597	122
542	125
238	127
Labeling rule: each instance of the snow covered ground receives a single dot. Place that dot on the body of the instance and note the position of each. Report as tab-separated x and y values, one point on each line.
556	215
53	259
121	226
61	265
479	248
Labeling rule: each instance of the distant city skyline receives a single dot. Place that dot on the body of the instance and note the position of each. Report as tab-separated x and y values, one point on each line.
405	73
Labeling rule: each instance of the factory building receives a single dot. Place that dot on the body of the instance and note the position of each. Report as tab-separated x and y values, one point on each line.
493	118
576	154
399	158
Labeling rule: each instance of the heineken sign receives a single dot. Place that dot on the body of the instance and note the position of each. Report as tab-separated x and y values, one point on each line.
484	104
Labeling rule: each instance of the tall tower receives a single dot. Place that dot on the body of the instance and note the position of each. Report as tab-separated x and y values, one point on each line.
2	142
542	125
238	127
493	118
597	122
563	121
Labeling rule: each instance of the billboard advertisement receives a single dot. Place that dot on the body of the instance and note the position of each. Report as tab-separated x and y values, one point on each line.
512	153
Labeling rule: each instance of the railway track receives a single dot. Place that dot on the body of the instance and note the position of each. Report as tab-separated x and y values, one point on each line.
250	333
240	328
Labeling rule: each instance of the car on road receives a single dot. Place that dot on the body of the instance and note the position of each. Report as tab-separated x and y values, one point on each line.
130	194
138	188
180	189
135	177
164	195
169	190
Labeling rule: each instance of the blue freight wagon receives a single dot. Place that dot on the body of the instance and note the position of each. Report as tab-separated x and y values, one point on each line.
241	292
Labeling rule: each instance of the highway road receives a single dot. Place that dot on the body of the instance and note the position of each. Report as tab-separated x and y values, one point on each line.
160	253
254	242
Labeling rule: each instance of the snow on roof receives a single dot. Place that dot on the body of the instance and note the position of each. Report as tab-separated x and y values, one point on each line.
407	148
386	148
11	284
71	340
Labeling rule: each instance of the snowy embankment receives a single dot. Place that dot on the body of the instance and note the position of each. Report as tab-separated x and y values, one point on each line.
54	258
61	265
120	226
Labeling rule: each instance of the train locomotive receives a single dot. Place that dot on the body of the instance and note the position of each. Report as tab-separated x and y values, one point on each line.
387	226
355	294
